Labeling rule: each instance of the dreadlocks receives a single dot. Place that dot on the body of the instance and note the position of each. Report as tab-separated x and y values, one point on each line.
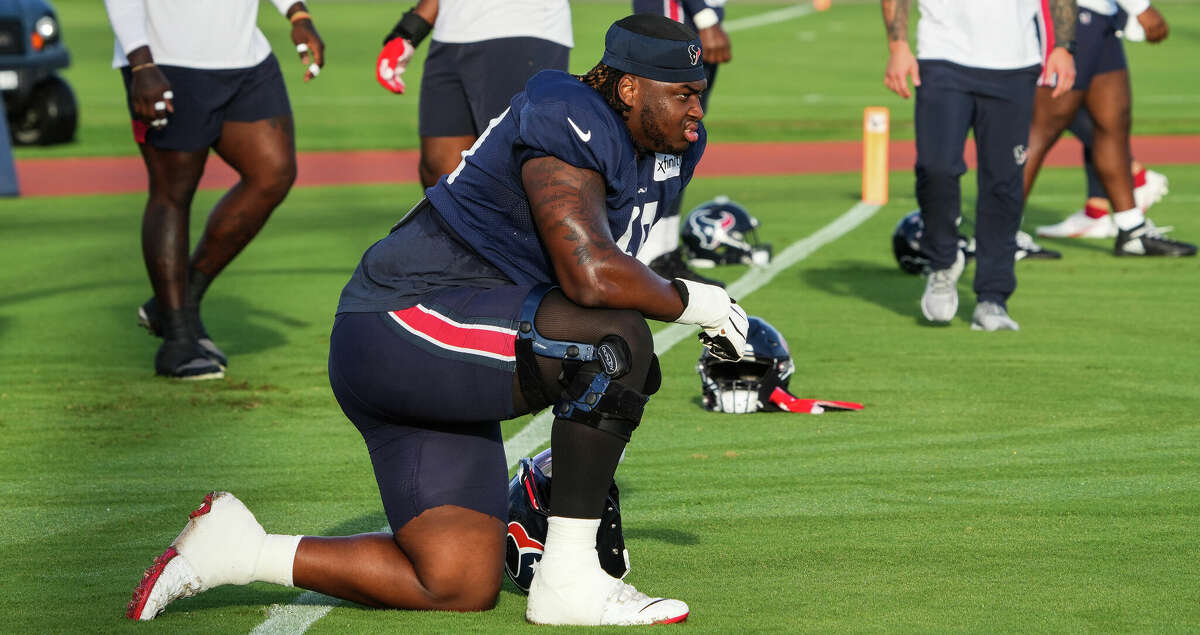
604	79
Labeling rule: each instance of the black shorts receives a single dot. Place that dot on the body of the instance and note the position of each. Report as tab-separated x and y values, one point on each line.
1098	50
207	98
464	86
427	388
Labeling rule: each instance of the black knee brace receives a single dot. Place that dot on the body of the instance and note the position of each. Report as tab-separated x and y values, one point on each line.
589	393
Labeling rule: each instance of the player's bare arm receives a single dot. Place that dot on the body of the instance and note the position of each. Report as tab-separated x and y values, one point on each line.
305	33
715	44
1063	14
895	18
901	63
568	207
149	88
1060	64
1154	24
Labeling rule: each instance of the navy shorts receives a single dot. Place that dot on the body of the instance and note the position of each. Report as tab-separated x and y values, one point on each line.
206	98
464	86
427	387
1098	50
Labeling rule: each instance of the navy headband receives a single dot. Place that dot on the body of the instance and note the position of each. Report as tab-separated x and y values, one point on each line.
663	60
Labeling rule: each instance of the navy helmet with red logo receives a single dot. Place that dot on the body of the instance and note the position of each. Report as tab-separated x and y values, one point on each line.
721	232
528	510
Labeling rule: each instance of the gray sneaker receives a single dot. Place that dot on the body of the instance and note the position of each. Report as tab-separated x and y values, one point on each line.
940	301
990	316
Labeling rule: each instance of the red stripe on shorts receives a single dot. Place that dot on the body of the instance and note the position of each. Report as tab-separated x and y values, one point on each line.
489	341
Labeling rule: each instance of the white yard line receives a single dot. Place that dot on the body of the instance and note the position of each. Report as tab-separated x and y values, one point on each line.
770	17
311	606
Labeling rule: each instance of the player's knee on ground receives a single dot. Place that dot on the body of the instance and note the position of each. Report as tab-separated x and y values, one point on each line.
463	586
457	556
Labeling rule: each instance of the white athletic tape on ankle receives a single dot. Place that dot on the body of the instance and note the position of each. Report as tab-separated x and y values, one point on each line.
276	559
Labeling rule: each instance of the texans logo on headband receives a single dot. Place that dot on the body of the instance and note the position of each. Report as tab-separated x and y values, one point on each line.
649	46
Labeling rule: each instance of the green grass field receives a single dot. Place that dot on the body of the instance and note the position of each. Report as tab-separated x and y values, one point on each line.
1040	481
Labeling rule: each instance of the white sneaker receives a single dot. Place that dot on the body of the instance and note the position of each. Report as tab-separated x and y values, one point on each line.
219	545
1150	193
940	300
990	316
595	599
1080	225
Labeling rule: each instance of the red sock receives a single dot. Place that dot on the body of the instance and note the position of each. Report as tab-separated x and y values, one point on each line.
1139	178
1094	211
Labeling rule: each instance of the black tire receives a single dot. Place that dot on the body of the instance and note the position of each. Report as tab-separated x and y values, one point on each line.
50	116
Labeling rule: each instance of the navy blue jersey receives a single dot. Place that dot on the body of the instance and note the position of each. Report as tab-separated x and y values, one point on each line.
479	231
484	200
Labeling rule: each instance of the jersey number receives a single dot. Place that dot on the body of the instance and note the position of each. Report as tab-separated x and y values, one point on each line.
641	218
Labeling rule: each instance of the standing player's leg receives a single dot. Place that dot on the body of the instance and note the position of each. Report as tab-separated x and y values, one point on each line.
250	127
1051	116
1109	102
174	155
173	176
258	141
942	117
1001	125
1093	220
263	153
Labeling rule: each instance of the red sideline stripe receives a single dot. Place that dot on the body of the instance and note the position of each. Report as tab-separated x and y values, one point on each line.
109	175
487	341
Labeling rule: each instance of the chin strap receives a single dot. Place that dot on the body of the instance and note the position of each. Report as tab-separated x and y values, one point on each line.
787	402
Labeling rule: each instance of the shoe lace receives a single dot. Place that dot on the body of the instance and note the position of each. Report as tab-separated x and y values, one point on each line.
990	309
626	593
942	281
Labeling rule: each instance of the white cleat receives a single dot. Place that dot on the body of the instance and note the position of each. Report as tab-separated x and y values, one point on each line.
219	545
1152	192
1080	225
596	599
939	303
629	607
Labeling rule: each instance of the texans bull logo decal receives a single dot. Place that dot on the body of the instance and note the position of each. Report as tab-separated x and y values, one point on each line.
694	53
520	553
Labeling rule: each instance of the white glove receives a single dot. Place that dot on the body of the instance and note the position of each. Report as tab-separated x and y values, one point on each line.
723	322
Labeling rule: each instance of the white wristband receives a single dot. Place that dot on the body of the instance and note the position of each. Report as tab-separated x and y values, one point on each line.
705	18
707	304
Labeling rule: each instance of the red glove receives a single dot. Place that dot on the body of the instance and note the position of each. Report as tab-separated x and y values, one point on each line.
392	62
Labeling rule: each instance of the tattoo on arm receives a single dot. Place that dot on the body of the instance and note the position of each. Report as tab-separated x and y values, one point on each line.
1063	13
895	18
567	204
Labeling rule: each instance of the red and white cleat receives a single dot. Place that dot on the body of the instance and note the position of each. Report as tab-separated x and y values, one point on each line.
1080	225
219	545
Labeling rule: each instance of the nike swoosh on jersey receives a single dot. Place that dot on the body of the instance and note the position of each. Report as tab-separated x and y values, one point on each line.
583	136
